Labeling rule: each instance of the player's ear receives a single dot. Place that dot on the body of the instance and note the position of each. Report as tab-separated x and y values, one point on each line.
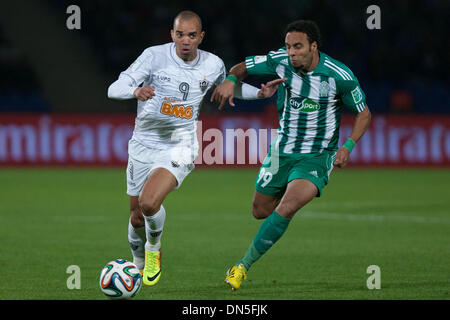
172	35
202	35
314	46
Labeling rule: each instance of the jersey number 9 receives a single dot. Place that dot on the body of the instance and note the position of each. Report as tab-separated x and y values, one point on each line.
184	89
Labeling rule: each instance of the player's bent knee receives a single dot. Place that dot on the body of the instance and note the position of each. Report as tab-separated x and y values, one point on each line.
136	219
288	209
149	206
259	211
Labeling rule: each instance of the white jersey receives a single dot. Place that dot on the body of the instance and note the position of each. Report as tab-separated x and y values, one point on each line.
169	118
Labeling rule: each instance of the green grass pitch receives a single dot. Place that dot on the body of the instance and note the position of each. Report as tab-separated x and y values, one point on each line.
398	220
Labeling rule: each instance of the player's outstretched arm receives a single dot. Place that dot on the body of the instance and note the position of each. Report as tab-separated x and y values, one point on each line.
267	90
225	91
246	91
362	121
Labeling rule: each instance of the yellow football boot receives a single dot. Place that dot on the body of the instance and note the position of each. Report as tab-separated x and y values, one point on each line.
152	269
235	275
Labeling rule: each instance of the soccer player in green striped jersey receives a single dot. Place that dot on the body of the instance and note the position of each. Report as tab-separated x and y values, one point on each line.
305	150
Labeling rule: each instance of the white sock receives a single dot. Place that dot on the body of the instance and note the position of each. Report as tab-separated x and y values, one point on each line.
153	229
136	238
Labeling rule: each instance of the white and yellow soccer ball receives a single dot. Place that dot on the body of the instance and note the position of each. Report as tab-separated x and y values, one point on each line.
120	279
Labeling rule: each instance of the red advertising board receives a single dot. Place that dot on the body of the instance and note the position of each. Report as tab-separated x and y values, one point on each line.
235	139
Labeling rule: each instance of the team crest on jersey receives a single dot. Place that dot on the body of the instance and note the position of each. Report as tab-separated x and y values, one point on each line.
324	89
203	84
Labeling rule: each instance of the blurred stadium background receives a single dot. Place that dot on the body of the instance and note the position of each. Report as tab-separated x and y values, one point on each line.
54	112
50	70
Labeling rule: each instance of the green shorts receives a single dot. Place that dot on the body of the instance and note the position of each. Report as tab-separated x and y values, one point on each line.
278	170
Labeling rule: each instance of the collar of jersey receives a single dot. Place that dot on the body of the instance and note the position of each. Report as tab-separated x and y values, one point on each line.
180	61
318	68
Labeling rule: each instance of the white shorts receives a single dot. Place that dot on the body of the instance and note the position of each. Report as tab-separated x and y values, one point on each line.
143	160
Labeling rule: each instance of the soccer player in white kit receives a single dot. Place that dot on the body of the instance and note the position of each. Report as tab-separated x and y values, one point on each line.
175	78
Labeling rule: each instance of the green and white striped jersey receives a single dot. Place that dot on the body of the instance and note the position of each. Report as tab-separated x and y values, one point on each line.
309	104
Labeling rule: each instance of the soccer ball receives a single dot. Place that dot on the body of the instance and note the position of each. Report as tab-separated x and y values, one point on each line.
120	279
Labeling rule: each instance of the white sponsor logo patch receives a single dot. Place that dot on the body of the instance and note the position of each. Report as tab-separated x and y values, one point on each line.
259	59
357	95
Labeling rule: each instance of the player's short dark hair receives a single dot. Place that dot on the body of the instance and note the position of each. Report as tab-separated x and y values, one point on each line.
310	28
188	15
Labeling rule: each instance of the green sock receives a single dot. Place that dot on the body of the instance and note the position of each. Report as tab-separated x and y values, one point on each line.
269	232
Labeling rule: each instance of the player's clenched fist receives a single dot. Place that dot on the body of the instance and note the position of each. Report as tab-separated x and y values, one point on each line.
144	93
342	156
